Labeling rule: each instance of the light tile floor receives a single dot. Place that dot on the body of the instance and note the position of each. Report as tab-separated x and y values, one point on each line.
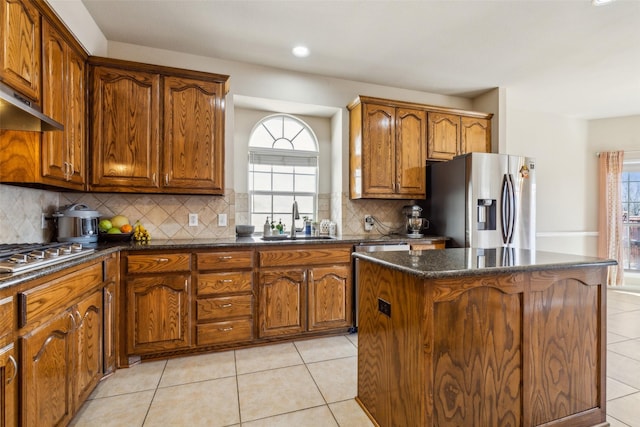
307	383
304	383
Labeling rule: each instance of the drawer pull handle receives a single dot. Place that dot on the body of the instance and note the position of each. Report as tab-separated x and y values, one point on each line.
223	258
225	329
15	369
162	259
225	281
227	305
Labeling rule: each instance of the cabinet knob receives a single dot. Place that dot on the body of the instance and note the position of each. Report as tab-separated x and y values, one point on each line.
223	258
162	259
225	281
166	179
153	178
225	329
227	305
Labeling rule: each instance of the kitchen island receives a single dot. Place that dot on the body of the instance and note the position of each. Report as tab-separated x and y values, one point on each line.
482	337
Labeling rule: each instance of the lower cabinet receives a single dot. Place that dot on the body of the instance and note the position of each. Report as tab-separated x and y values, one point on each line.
89	359
158	301
47	366
158	313
8	386
224	297
60	344
298	299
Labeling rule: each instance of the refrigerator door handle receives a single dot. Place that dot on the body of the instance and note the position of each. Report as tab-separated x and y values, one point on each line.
504	209
512	208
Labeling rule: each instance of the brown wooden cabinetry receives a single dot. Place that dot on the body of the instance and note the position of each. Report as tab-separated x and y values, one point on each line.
390	141
20	50
158	302
304	290
517	348
8	386
451	135
178	113
48	365
225	299
110	305
387	151
61	344
8	363
63	99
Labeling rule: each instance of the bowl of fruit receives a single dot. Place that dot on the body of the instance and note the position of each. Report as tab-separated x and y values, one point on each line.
116	229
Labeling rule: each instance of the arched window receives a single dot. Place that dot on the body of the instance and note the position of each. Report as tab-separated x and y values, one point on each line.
283	167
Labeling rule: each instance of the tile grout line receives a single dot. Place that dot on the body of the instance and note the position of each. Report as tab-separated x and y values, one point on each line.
155	392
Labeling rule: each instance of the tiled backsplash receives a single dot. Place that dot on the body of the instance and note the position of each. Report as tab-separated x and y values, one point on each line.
21	214
166	216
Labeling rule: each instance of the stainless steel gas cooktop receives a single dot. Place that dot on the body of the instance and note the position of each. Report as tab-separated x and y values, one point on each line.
23	257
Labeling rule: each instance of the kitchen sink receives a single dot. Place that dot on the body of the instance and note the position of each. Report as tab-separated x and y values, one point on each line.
300	237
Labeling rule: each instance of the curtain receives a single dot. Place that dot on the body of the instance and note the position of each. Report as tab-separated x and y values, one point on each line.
610	213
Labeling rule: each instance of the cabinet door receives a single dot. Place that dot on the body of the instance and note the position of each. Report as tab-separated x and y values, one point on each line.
55	155
378	150
443	136
89	352
158	313
20	50
125	129
74	126
475	135
282	307
63	73
330	297
47	368
8	386
109	321
193	143
411	153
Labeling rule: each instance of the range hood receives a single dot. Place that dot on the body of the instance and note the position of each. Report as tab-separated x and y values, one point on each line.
16	113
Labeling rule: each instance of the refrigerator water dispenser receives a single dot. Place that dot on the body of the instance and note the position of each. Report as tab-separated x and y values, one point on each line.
486	214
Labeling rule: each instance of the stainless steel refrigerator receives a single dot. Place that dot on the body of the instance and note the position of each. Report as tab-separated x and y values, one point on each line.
483	200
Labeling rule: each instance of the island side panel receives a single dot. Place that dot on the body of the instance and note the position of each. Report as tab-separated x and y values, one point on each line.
390	347
477	350
567	349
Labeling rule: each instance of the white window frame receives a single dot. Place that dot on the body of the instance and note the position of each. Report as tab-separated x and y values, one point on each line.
282	157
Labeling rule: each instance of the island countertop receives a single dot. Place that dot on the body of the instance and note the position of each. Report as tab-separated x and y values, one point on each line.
460	262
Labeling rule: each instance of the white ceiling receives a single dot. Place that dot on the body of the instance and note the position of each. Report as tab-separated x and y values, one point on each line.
559	56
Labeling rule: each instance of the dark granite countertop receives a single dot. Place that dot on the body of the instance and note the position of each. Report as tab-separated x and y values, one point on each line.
461	262
101	249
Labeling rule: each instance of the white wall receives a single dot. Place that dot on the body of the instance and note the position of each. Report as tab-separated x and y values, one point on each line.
563	178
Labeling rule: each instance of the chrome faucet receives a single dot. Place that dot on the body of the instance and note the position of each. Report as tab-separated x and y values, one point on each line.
294	215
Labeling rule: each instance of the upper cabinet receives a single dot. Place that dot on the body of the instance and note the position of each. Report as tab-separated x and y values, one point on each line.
387	151
390	141
20	50
156	129
63	153
451	135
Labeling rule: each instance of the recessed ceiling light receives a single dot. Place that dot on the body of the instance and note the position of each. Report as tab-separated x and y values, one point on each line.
300	51
600	2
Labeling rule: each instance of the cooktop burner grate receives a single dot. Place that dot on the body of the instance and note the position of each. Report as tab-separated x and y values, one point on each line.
22	257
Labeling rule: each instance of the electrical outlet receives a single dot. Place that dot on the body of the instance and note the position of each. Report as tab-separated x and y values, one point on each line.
222	220
368	223
43	221
193	220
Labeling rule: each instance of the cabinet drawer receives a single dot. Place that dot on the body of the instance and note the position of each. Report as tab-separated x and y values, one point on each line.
426	246
224	307
225	260
224	332
218	283
7	316
153	263
58	294
304	257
